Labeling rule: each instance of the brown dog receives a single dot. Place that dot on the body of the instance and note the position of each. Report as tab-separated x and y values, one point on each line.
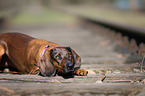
28	55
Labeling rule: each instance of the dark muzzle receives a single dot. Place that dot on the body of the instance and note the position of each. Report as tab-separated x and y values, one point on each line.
69	66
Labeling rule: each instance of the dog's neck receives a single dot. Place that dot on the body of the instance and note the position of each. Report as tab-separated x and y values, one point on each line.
49	47
37	60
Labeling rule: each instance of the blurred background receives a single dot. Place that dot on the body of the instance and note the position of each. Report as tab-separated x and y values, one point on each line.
43	12
57	21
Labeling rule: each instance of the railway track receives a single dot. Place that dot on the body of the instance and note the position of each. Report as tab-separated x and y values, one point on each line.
114	62
128	39
131	32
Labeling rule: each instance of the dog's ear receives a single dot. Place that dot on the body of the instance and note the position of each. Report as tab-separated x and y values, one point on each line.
46	66
77	58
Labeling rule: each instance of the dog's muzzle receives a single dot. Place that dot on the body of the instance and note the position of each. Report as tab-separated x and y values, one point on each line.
69	67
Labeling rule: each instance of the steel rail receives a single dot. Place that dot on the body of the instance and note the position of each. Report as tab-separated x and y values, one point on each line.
132	32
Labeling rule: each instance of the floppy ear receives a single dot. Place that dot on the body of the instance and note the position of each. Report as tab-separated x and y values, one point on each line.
46	66
77	58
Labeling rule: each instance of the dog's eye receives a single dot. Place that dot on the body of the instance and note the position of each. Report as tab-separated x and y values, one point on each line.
69	56
58	57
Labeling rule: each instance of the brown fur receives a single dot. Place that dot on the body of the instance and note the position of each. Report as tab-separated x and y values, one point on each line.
20	52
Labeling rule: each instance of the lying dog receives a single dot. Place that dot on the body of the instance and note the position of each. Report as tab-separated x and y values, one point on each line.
28	55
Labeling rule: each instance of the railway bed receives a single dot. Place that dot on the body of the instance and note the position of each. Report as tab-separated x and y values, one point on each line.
109	73
114	63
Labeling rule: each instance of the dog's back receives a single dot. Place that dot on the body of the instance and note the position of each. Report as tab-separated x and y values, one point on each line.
20	50
15	45
29	55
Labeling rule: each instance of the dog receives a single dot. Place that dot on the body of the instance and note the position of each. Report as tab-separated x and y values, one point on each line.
28	55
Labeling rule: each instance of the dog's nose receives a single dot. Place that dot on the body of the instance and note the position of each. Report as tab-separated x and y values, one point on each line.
70	66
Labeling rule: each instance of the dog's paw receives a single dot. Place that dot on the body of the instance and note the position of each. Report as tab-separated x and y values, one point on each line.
81	72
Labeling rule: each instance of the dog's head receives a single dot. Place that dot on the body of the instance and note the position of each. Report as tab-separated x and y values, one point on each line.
60	60
65	60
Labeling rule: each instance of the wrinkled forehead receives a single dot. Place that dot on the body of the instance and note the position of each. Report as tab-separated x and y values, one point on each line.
61	51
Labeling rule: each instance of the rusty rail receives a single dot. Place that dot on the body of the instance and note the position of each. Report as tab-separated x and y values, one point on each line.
128	40
132	32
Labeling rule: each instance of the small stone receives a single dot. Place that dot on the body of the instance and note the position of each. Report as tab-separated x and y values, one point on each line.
56	81
109	71
91	72
136	70
117	71
99	81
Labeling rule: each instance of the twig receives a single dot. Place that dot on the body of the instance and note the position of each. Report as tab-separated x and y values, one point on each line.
6	89
101	79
